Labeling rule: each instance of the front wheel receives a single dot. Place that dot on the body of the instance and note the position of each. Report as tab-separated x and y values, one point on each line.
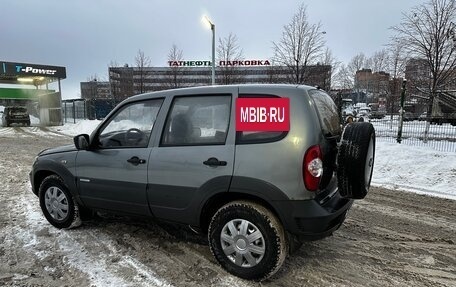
57	203
248	240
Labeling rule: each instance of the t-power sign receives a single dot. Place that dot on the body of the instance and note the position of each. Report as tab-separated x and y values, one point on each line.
263	114
25	69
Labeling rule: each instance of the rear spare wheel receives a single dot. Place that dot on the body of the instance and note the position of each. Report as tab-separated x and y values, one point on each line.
355	160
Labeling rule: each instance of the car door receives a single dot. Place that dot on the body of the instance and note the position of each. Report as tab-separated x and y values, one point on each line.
194	157
112	175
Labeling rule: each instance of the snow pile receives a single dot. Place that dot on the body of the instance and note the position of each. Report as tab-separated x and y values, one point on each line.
397	166
34	121
418	169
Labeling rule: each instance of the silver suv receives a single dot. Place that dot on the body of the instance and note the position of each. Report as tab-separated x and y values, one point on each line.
177	155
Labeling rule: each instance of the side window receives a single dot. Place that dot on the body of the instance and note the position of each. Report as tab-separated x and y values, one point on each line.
197	120
327	113
251	137
131	126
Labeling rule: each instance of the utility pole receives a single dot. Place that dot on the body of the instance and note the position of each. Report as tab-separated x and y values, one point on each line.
401	112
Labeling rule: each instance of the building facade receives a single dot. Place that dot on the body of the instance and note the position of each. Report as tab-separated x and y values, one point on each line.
376	83
95	90
128	81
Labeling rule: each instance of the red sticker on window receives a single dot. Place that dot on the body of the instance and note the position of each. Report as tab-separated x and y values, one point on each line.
263	114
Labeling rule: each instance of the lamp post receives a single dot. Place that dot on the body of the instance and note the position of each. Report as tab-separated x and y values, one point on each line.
212	26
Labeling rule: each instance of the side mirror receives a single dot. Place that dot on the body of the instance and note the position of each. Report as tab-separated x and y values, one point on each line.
81	142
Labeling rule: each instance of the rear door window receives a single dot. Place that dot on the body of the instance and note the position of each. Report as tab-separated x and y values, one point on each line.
327	113
198	120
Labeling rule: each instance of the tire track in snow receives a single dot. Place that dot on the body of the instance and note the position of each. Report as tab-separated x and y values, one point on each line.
80	256
46	130
163	260
6	131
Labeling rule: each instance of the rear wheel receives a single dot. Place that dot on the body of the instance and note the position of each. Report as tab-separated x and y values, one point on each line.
355	160
248	240
57	203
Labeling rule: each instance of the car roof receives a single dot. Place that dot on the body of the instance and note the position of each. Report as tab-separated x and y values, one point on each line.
208	89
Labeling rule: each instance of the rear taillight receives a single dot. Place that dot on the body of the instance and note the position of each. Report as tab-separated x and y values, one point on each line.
312	168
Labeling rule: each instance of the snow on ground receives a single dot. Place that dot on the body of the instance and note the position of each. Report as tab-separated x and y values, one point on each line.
397	166
417	169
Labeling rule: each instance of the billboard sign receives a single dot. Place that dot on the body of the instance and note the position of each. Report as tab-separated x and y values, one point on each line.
236	63
25	69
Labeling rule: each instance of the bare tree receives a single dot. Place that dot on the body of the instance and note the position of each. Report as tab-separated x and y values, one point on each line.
114	84
273	72
229	51
397	60
93	78
301	45
427	33
379	61
329	60
343	78
174	76
142	62
358	62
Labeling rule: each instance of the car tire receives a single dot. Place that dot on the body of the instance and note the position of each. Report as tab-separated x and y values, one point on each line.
57	203
254	244
355	160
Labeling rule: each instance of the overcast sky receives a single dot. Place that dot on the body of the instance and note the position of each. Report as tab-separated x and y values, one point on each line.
86	35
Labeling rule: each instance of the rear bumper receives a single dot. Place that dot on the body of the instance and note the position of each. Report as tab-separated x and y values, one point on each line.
313	219
18	120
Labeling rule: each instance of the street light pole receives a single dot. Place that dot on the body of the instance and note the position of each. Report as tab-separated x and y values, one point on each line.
213	53
212	26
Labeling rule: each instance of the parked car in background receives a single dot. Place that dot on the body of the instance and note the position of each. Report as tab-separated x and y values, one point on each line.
363	114
423	116
377	111
15	115
347	108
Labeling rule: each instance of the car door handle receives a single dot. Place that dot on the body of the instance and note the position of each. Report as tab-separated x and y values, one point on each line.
214	162
136	160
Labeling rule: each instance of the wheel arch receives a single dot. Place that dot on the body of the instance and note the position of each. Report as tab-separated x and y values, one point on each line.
47	168
38	178
214	203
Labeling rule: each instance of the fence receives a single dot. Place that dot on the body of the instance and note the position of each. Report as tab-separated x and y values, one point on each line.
74	110
81	109
441	133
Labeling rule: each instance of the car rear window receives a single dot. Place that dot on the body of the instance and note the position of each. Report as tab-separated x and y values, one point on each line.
255	137
18	110
327	113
